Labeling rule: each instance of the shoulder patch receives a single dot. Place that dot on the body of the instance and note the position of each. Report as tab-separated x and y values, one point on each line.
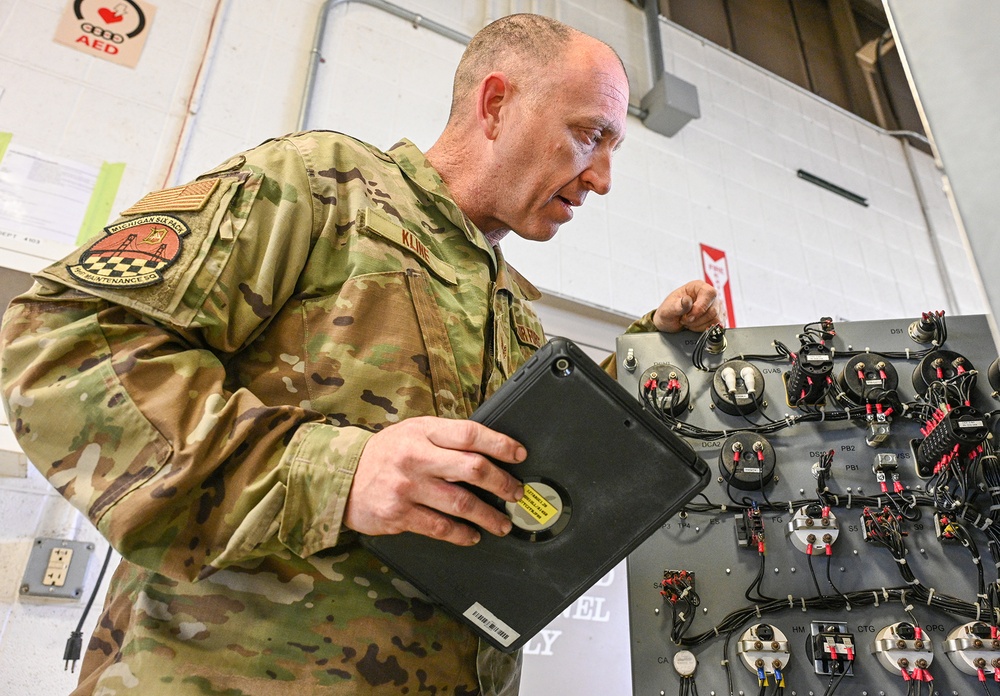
189	197
132	254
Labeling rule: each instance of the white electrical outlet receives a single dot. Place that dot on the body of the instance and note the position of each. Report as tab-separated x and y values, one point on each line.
56	569
55	573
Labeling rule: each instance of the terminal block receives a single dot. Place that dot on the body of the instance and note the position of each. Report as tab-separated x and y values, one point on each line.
764	651
944	527
880	526
952	437
665	387
738	388
974	648
750	529
807	380
903	648
677	585
886	473
831	648
813	529
878	429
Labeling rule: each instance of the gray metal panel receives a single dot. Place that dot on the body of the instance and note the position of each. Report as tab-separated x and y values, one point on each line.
706	543
950	55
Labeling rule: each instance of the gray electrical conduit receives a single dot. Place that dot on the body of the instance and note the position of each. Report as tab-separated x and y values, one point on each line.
943	274
949	291
415	19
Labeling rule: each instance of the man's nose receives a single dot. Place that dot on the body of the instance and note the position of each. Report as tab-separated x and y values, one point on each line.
597	176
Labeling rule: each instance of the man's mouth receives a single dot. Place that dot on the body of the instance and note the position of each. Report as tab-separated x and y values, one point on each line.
567	207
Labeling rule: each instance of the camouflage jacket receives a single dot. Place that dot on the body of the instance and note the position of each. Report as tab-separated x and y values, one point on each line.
200	382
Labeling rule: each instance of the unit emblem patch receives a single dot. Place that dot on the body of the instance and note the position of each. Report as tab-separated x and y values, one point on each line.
132	254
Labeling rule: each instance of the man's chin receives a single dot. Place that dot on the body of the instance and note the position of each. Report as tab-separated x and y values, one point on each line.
539	233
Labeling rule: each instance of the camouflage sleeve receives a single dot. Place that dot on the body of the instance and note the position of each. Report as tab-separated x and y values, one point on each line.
120	395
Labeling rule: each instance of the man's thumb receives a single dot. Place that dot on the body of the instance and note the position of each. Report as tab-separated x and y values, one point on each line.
685	305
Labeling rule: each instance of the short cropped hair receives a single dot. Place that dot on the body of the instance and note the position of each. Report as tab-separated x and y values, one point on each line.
515	39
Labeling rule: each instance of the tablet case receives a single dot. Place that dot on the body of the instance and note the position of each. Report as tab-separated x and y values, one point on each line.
602	474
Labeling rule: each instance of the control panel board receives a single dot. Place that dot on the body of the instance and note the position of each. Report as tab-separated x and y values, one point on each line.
850	541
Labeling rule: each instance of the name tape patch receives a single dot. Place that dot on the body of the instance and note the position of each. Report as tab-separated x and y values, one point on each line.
377	222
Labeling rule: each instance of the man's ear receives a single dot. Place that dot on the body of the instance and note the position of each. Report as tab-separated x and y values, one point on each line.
494	94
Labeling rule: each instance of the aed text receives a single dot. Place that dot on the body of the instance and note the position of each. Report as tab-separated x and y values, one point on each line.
97	44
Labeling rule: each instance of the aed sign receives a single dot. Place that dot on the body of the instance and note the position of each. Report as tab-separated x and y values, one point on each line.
114	30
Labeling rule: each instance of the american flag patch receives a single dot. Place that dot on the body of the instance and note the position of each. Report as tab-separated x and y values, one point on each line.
189	197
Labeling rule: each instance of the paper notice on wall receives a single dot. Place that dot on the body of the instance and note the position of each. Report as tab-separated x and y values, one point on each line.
48	205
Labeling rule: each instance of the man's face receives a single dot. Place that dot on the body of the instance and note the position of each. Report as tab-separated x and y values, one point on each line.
555	149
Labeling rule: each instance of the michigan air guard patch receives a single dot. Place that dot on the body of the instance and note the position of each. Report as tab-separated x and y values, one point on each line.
132	254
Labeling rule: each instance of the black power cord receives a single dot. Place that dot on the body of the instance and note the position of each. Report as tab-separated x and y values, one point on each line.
74	644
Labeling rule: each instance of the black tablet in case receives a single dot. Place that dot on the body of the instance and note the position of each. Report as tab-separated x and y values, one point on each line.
602	474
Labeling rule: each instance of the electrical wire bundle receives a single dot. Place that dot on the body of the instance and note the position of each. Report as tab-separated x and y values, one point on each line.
882	528
688	687
696	432
933	329
942	394
677	588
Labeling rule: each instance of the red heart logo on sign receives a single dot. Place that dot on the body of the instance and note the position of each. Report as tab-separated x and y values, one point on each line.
109	16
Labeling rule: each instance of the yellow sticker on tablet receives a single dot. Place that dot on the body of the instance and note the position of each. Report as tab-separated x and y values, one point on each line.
535	505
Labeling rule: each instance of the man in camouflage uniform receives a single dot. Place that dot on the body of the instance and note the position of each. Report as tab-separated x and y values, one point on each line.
244	372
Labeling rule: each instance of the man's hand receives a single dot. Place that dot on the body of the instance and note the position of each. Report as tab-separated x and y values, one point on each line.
693	306
407	480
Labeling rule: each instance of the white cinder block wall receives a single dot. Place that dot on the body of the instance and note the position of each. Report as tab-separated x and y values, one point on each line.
218	76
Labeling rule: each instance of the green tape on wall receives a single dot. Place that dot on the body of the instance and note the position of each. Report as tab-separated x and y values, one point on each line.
101	200
4	142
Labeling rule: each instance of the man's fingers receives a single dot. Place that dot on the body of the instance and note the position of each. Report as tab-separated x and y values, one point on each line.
433	524
409	479
706	320
470	443
702	303
462	503
469	436
704	311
